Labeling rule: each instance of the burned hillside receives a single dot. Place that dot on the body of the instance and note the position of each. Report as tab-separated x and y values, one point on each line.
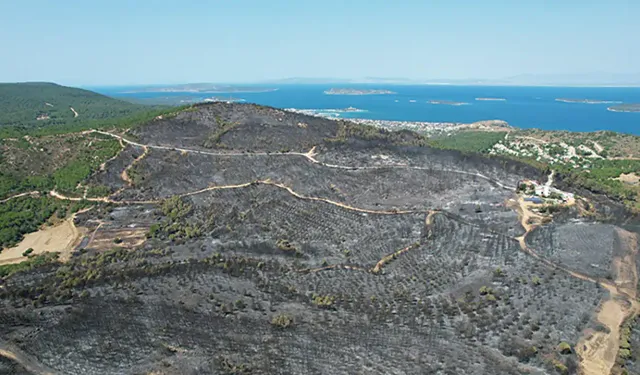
239	239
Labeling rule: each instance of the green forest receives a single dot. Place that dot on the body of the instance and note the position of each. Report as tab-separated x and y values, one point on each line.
601	178
468	141
41	166
39	108
23	103
25	215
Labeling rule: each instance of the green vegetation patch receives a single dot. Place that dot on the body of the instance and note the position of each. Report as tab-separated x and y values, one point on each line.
348	131
84	163
29	264
613	144
601	178
39	104
60	162
282	321
25	215
39	109
175	225
468	141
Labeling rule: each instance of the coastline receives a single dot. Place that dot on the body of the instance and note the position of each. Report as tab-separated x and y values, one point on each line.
444	102
417	126
587	101
196	91
334	91
621	110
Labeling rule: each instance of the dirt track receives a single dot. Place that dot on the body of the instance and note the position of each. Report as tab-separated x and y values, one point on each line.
310	156
30	193
30	364
598	351
125	175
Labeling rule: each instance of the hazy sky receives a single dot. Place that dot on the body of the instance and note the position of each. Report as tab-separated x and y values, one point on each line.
90	42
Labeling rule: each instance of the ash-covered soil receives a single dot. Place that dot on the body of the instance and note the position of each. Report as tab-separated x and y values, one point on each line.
585	247
239	127
372	255
11	367
166	173
111	174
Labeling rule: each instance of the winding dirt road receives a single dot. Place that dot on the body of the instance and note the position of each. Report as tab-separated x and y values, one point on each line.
29	363
597	351
310	156
30	193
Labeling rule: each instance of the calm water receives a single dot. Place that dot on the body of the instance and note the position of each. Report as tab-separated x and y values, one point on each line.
525	107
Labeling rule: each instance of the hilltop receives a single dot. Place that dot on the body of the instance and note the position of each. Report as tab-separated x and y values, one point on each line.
32	105
231	238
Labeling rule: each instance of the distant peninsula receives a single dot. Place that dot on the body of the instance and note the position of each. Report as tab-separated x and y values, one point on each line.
446	102
492	99
625	108
357	92
201	88
216	99
585	101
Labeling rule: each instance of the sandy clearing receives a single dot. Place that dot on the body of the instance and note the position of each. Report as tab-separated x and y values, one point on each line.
630	178
130	238
598	352
58	238
598	147
75	114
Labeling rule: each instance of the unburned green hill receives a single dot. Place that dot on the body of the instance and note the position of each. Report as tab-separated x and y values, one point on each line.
40	104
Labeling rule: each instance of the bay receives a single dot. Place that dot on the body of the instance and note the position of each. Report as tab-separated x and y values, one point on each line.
523	107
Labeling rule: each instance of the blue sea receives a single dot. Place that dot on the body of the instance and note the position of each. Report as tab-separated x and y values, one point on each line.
523	107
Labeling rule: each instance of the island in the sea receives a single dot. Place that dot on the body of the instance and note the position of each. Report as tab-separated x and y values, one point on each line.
446	102
334	91
625	108
202	88
585	101
492	99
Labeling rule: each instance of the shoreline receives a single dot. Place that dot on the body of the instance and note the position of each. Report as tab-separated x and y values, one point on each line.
621	110
445	102
417	126
586	101
196	91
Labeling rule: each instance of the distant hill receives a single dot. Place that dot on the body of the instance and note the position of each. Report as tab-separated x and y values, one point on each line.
202	88
586	79
40	104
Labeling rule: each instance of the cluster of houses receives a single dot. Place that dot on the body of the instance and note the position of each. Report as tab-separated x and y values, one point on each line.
538	193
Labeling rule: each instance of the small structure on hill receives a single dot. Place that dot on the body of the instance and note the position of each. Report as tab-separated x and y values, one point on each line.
534	200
